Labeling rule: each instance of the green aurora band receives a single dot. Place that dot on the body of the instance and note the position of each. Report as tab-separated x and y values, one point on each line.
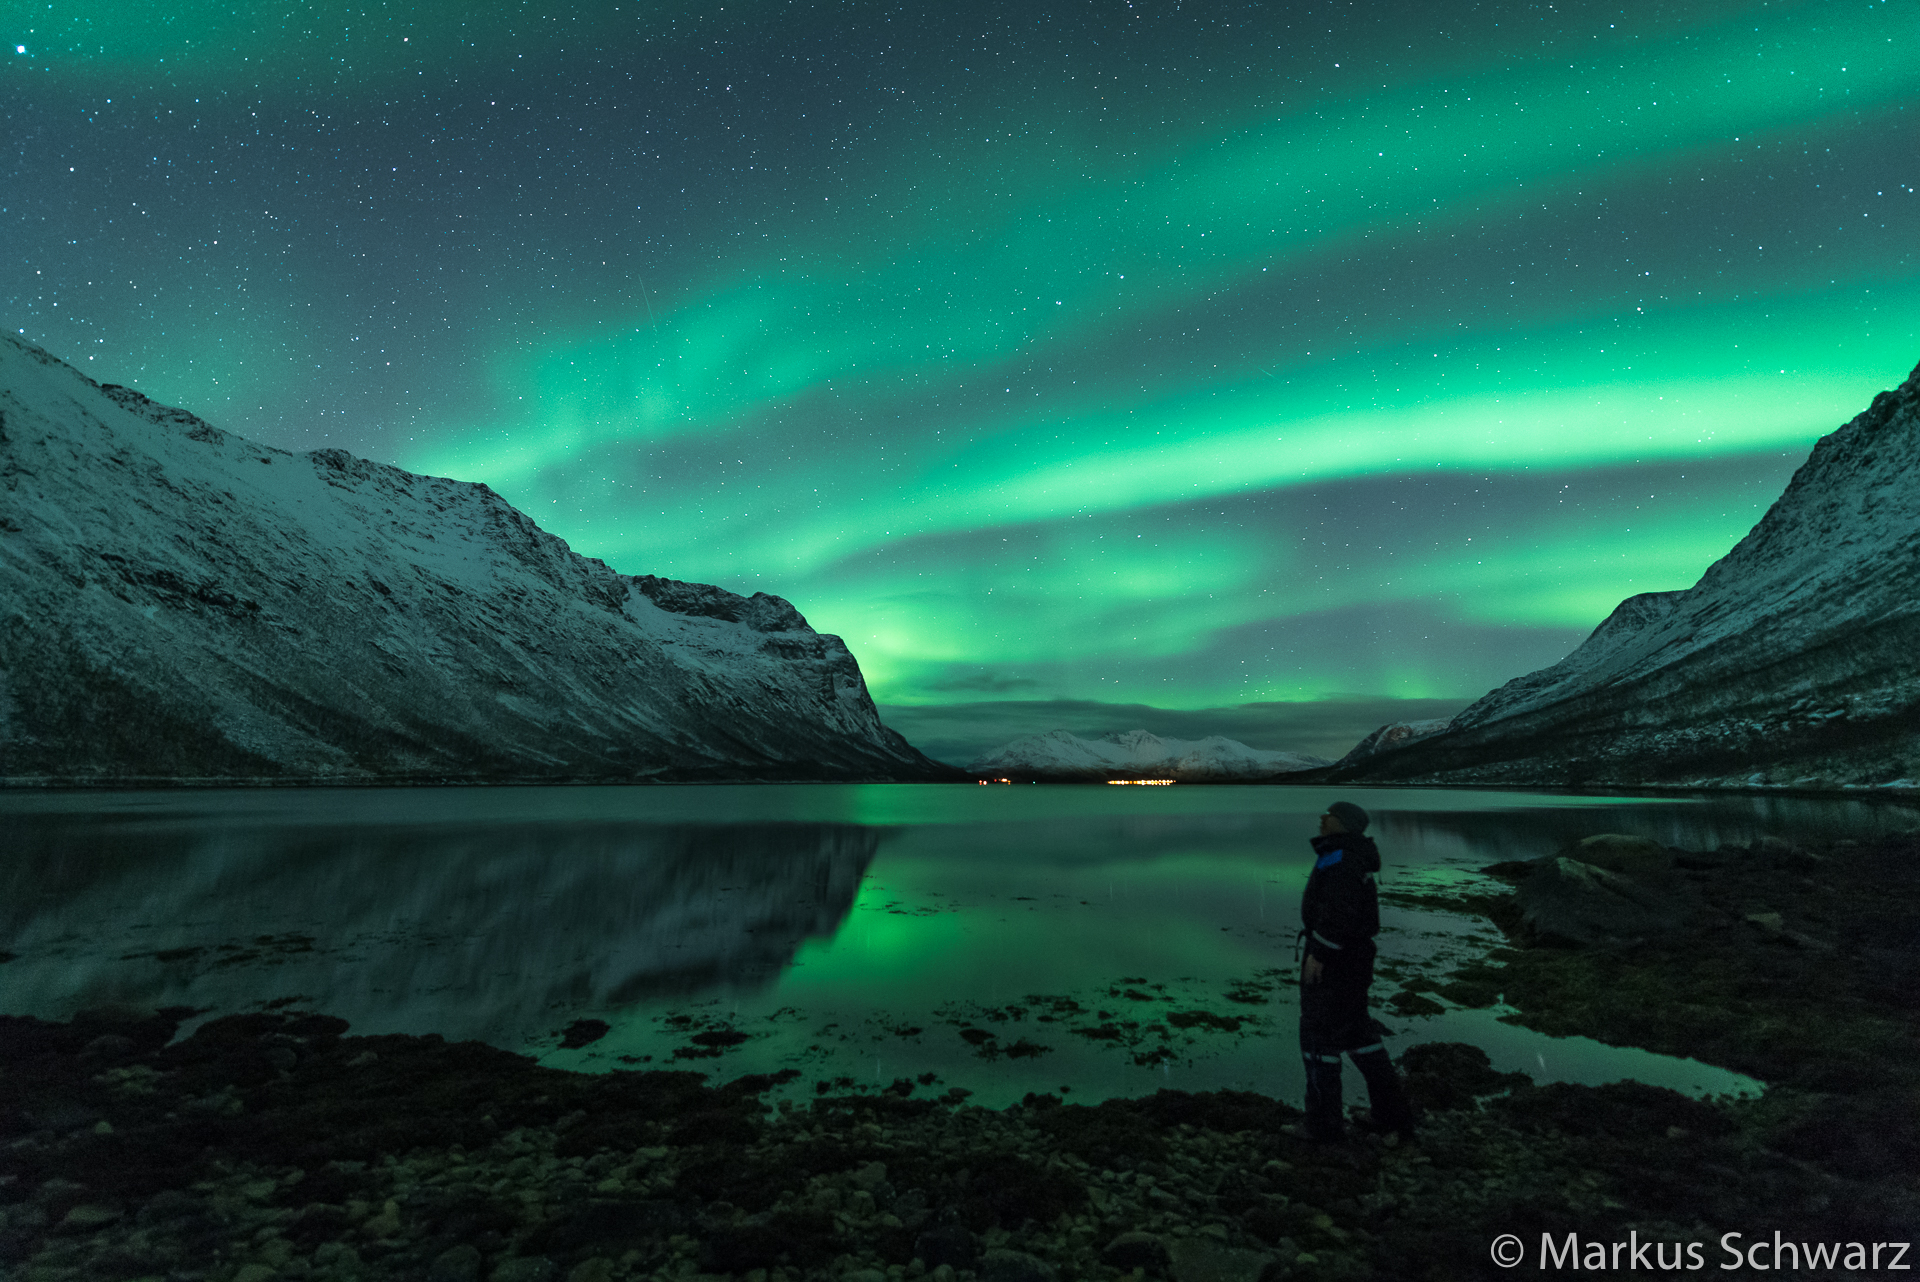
1386	367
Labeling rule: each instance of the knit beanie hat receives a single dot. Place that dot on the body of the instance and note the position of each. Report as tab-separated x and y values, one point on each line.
1351	817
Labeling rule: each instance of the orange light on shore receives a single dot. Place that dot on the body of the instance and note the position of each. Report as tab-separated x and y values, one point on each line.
1151	783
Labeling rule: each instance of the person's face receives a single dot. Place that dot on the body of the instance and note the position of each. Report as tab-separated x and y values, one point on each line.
1329	826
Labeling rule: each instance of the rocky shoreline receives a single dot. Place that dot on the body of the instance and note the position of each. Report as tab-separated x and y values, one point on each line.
278	1146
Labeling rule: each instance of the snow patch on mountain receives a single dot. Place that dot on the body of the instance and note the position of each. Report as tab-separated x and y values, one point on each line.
177	602
1137	754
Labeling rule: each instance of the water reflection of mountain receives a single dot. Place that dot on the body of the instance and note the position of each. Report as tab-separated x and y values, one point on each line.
1740	820
1408	827
474	933
1420	833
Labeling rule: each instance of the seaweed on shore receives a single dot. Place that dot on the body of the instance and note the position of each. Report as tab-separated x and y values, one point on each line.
1803	970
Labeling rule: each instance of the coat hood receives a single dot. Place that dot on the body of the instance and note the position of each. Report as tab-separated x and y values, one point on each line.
1355	846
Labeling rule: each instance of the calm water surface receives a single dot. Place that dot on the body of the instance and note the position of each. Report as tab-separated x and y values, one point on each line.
1098	939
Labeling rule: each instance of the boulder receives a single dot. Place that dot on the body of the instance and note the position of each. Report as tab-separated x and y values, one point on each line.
525	1268
1137	1250
456	1264
1002	1265
1578	902
1201	1259
1774	927
1628	856
948	1244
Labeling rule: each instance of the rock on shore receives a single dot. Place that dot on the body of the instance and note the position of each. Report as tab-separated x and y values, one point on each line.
180	604
1610	889
274	1146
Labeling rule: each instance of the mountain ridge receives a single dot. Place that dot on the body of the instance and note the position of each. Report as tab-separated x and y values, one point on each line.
1789	663
180	604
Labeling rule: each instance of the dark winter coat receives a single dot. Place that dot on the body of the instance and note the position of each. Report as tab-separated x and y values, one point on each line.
1340	911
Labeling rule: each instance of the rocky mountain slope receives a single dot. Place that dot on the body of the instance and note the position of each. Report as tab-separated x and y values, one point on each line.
178	603
1136	754
1792	661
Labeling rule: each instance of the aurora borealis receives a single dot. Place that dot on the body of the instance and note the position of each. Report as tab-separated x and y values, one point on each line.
1310	356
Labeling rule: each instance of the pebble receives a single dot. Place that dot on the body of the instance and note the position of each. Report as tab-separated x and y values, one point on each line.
1137	1250
1001	1265
456	1264
89	1217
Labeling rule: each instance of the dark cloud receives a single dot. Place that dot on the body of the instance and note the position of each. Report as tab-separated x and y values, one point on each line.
981	682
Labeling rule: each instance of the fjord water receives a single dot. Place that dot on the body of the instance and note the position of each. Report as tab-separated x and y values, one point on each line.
1102	940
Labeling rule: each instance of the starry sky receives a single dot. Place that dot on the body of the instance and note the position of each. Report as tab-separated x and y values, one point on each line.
1271	369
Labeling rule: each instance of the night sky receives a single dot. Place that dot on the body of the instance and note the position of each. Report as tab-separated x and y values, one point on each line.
1183	356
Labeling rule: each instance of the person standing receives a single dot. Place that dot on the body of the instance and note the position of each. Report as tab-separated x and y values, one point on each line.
1339	916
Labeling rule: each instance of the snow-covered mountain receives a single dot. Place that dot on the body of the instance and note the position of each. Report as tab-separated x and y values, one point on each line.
1795	659
1395	734
1136	754
179	603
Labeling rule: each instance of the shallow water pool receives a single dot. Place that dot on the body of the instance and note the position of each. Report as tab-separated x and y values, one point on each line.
1099	941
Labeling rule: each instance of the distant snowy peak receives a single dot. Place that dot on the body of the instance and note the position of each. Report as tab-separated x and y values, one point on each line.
1137	754
180	603
1395	734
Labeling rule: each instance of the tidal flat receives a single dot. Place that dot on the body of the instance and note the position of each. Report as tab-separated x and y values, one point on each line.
279	1144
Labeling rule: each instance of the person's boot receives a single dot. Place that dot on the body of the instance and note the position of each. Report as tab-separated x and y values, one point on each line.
1322	1124
1392	1114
